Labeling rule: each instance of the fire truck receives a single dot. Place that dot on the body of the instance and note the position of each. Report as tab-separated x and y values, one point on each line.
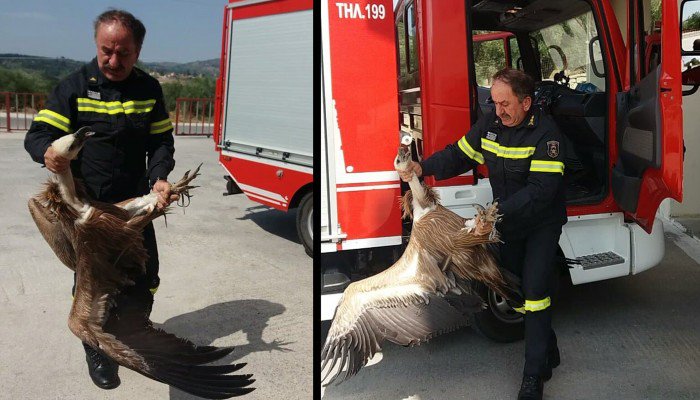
263	124
422	73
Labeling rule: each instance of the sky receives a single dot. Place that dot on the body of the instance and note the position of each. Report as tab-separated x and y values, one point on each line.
176	30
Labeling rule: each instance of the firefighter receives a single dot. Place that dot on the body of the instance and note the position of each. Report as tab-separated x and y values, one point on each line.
124	106
521	147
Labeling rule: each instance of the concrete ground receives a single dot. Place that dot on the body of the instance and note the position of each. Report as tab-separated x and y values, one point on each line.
636	337
232	273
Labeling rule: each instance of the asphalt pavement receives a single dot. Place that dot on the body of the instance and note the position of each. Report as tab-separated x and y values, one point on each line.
232	274
635	337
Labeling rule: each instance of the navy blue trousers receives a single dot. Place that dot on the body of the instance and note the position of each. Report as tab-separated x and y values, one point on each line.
532	258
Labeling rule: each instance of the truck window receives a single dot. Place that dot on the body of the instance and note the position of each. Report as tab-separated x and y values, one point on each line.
411	37
515	59
489	57
401	46
564	53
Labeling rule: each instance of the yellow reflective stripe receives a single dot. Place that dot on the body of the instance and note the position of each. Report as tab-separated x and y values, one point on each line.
537	305
489	146
469	151
54	119
153	290
506	152
115	107
521	310
161	126
547	166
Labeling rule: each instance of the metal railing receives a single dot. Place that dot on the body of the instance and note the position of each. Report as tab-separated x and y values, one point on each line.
18	110
194	116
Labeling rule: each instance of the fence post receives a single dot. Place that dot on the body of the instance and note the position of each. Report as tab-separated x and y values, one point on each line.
7	107
177	114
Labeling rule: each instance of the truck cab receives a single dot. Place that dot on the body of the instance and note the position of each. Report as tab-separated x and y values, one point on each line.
620	115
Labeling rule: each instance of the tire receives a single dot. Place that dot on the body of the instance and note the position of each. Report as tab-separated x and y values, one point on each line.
498	322
305	223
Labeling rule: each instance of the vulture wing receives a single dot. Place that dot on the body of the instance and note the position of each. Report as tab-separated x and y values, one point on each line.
407	304
53	232
111	254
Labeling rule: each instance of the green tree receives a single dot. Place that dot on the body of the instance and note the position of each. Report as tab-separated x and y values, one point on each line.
692	23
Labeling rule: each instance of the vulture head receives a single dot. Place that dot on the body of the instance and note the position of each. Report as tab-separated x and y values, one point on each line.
403	158
69	146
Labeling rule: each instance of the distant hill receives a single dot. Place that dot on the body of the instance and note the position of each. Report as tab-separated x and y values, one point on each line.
195	68
53	69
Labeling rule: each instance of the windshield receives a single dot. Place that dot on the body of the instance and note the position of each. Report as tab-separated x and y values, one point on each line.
564	53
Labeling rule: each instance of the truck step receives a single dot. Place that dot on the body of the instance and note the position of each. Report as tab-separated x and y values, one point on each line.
334	282
600	260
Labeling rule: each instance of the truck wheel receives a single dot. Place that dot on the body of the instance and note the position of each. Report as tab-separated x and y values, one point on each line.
498	322
305	223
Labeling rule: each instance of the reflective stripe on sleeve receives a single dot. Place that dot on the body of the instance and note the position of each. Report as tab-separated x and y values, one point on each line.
54	119
547	166
115	107
469	151
537	305
506	152
161	126
153	290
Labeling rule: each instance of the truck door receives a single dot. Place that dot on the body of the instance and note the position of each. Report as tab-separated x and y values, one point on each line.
649	137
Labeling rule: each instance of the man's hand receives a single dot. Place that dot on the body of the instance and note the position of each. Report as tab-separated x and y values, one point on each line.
162	187
413	168
54	162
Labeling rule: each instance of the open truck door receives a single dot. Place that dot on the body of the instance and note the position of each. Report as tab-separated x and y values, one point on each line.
649	137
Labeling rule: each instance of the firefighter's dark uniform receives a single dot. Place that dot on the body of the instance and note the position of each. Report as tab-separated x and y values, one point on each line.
526	166
130	124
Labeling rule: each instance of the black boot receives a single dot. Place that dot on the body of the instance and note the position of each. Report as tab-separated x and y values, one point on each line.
531	388
103	370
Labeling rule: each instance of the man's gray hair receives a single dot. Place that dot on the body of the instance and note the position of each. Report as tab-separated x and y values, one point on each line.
521	83
126	19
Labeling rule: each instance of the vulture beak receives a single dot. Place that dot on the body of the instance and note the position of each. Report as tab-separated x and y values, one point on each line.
81	135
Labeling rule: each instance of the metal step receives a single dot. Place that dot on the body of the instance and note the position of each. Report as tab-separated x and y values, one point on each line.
600	260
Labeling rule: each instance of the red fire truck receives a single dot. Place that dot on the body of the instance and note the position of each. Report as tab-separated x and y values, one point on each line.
263	126
425	76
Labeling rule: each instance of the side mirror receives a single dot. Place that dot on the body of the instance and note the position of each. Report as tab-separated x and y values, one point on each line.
690	28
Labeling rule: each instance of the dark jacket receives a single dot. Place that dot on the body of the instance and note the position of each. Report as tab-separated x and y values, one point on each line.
525	164
130	122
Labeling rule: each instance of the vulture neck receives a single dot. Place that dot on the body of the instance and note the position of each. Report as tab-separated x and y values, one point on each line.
67	187
420	203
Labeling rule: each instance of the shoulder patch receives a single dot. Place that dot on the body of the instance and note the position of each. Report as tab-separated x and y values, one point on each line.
553	148
491	135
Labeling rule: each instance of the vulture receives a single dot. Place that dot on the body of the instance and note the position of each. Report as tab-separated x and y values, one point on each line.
102	244
426	292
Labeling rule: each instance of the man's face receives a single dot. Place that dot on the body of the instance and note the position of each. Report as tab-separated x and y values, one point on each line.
509	108
117	51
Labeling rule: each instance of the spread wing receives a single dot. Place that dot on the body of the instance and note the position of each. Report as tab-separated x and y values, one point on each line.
112	254
407	304
427	292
